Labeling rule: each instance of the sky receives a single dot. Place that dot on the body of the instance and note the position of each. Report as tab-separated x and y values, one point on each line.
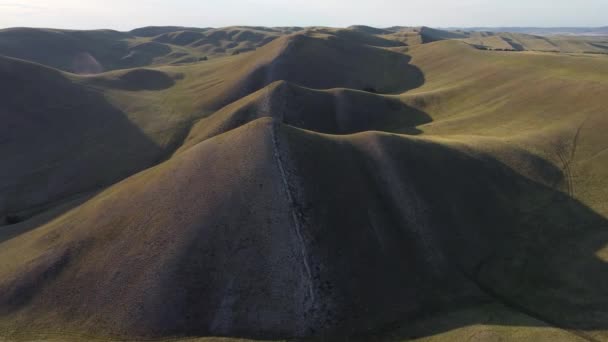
128	14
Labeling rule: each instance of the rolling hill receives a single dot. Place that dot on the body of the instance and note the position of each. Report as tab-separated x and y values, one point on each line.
507	40
97	51
82	52
361	184
545	31
93	52
46	165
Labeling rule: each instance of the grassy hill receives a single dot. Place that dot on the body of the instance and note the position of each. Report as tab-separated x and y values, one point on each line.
84	52
153	31
524	42
546	31
97	51
504	40
42	162
93	52
399	184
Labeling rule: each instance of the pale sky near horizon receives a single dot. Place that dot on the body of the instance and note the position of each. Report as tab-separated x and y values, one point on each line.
129	14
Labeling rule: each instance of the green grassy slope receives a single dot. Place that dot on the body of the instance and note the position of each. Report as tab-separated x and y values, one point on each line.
549	104
524	42
498	40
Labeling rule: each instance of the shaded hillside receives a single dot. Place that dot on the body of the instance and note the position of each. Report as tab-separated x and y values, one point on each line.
356	35
84	52
89	52
302	58
92	52
338	111
430	35
136	80
60	139
369	30
196	266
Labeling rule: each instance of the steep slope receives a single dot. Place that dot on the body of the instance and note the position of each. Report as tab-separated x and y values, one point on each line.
60	139
170	291
159	105
246	234
338	111
302	58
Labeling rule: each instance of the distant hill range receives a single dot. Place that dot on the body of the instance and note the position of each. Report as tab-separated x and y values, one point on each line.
95	51
545	31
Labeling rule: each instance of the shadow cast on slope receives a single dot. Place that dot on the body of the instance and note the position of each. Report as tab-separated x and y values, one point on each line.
336	111
312	235
484	232
61	140
326	63
137	80
80	52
